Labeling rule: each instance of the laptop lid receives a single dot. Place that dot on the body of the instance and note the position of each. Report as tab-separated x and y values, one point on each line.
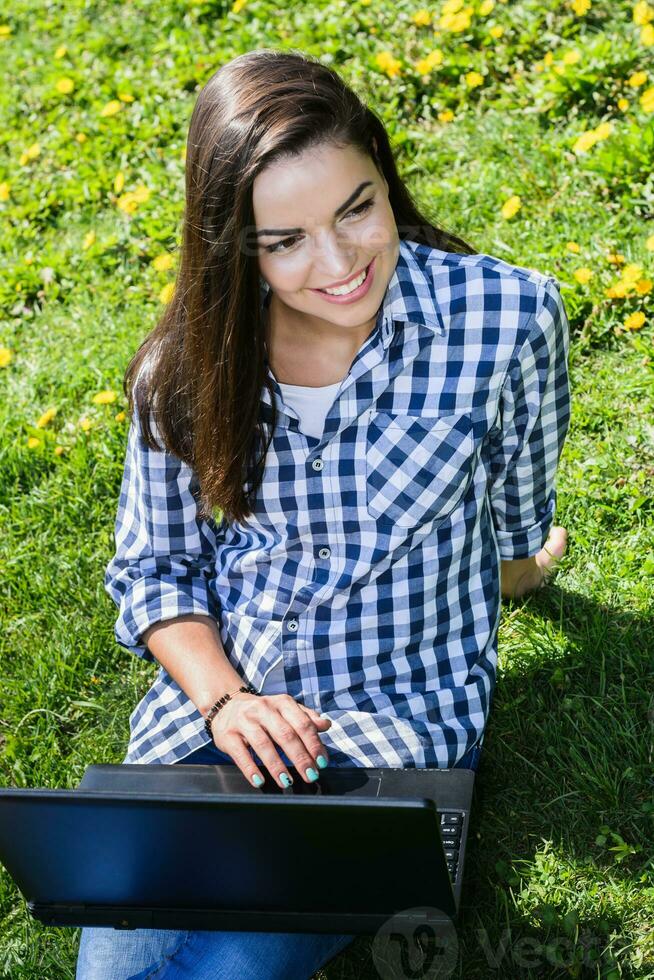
256	860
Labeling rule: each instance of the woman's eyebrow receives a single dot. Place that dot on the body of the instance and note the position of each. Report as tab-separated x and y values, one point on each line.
342	207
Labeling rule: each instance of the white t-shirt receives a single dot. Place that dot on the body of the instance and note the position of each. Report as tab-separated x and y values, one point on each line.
311	405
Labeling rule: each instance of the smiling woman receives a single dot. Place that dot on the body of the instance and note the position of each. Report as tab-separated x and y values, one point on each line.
378	412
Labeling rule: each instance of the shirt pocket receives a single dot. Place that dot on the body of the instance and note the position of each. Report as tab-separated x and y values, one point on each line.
417	468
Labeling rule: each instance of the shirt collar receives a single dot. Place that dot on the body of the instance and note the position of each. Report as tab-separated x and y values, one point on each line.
409	297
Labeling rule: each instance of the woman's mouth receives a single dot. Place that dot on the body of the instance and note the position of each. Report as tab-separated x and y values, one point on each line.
358	292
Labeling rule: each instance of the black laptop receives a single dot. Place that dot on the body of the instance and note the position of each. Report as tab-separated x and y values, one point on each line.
197	847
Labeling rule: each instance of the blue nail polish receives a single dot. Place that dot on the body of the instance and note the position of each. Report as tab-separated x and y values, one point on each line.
257	780
286	779
322	761
312	774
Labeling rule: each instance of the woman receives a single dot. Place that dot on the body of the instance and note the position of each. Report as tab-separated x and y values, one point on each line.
374	414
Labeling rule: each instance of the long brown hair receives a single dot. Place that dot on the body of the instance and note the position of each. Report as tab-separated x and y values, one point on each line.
206	356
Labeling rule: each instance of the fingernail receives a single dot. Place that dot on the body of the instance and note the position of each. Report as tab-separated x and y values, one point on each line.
322	761
312	775
257	780
286	779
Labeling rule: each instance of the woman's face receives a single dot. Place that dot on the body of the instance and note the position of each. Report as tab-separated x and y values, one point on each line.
322	218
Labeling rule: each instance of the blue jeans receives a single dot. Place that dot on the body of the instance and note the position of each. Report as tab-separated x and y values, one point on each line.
170	954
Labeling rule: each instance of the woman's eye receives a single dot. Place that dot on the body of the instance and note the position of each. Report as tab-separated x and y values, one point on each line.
277	247
362	207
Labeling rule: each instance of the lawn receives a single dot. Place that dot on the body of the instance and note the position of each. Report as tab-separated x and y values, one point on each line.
528	129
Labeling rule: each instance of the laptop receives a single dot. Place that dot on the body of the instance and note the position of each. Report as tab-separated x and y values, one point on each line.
197	847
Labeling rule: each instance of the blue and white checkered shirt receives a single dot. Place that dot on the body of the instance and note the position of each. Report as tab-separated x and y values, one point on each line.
372	560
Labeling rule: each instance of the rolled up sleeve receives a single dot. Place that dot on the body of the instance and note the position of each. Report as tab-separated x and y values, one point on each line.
532	424
164	559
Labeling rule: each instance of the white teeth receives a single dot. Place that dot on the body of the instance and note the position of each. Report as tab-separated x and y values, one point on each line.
344	290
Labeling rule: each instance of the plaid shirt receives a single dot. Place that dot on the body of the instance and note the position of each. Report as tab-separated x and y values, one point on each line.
372	559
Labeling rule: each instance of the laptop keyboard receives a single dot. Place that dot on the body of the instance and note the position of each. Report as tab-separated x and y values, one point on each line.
451	829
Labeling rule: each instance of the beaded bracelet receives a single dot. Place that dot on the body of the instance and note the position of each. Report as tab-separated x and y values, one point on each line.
219	704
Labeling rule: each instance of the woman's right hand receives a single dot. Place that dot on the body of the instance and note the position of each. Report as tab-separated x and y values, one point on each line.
254	720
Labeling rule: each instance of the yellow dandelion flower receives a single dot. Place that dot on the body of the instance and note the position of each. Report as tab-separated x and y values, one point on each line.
120	416
388	63
644	286
61	51
89	239
571	57
623	104
647	100
46	418
584	142
634	321
486	7
474	79
647	35
603	130
421	17
81	137
119	182
130	201
445	116
496	31
620	289
610	292
33	442
638	78
167	293
649	244
582	275
452	6
127	204
125	97
511	206
31	153
111	108
580	7
65	85
572	247
104	397
163	262
238	5
5	356
4	191
58	450
632	272
642	13
435	58
85	424
5	30
456	22
615	258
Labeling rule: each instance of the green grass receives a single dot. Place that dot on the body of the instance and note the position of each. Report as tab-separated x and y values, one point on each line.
560	851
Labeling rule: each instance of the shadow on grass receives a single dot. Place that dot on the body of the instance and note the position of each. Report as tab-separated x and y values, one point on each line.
559	852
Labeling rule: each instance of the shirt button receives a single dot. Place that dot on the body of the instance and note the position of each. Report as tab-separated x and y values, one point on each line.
324	553
293	625
317	464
